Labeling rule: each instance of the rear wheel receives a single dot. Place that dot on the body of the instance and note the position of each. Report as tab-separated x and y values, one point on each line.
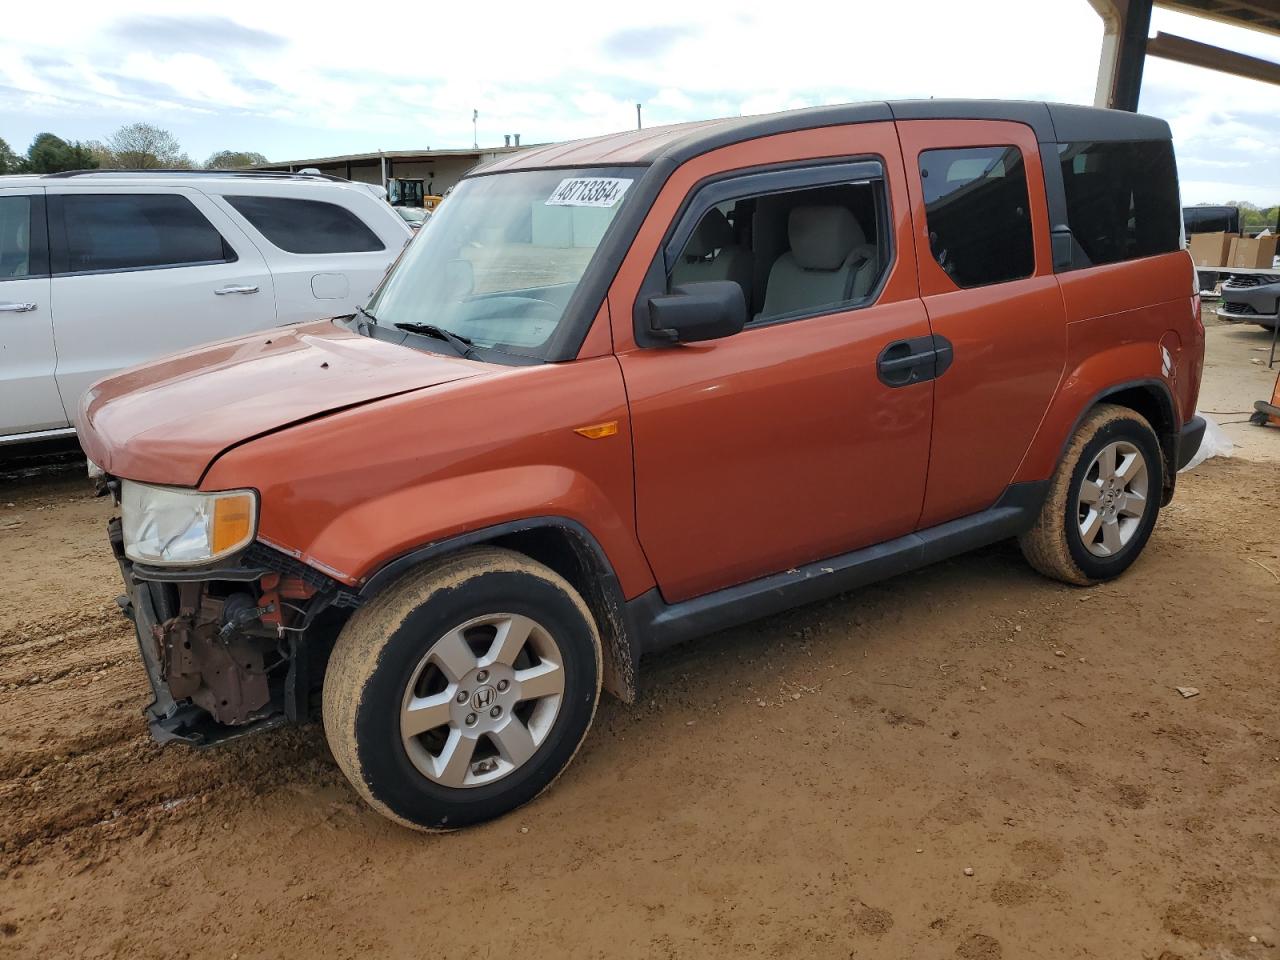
1103	500
464	690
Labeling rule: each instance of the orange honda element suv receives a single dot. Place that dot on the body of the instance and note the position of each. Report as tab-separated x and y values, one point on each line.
627	391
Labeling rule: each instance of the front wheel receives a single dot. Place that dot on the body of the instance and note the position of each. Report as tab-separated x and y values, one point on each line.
464	690
1102	502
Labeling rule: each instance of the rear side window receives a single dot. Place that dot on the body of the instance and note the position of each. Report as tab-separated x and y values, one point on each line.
1122	198
977	213
307	226
15	238
118	231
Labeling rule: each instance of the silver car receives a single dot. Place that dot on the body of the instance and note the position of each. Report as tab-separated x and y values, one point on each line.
1252	297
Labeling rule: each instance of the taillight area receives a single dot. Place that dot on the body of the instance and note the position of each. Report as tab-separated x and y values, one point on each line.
1193	360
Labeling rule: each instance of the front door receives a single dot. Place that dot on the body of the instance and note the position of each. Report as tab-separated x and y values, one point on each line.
787	442
986	277
29	399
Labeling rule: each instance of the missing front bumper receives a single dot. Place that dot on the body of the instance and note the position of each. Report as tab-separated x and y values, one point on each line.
212	683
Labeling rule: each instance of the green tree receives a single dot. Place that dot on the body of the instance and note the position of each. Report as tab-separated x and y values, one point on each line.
141	146
51	154
233	159
10	162
101	152
1254	218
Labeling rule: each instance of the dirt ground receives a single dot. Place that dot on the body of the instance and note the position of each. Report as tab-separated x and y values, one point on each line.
818	784
1235	375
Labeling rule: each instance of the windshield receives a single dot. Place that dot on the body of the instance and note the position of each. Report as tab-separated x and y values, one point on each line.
504	255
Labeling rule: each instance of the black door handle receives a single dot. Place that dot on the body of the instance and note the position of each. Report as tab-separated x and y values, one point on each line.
905	362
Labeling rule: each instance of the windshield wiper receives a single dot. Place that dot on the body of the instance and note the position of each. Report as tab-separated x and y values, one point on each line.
367	315
459	343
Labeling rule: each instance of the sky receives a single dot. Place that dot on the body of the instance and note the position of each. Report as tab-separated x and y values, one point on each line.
293	81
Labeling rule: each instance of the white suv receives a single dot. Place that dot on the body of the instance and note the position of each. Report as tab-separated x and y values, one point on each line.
104	269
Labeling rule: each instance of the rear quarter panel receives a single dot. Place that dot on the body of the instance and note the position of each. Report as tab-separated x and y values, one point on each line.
1118	315
348	492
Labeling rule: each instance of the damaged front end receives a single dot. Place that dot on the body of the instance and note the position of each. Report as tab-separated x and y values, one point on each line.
233	648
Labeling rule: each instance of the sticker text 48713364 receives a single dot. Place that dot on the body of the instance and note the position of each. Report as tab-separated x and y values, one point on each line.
588	192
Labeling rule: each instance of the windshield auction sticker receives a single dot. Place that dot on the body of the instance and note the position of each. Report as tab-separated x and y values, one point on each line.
588	192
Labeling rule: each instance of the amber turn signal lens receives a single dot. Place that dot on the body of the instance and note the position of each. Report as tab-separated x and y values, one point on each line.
232	522
598	431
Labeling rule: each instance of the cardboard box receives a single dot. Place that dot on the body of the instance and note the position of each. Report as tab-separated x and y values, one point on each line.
1211	249
1252	253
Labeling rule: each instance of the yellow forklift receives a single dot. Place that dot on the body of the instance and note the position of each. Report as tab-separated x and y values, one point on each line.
408	192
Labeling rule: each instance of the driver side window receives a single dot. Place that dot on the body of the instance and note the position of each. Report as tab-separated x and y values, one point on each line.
795	253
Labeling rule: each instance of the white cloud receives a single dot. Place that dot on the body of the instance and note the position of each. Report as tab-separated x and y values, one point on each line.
192	77
673	99
295	82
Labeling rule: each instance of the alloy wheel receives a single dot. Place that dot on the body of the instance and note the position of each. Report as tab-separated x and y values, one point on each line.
482	700
1112	498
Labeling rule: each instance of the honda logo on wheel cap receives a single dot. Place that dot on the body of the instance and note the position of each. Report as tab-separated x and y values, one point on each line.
483	698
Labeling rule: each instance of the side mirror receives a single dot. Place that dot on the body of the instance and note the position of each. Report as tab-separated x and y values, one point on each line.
698	311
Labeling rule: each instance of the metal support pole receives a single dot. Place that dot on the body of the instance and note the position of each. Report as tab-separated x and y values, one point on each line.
638	124
1132	56
1111	21
1125	25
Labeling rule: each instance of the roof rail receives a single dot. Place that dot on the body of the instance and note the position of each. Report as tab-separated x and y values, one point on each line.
251	174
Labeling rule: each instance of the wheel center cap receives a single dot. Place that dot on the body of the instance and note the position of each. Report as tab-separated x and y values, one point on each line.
483	697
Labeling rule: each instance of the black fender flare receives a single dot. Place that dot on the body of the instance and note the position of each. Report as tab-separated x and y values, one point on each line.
598	584
1167	433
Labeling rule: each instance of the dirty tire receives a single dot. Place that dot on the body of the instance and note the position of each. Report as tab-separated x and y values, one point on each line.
384	641
1054	546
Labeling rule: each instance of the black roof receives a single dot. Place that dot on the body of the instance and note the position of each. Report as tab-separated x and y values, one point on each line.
1052	123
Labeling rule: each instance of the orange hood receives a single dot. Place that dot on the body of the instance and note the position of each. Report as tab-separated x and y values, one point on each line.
166	421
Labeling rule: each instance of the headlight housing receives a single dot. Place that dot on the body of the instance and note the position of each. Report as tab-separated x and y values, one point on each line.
174	526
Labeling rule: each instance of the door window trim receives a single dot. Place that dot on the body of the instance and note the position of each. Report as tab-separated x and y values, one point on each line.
762	181
59	248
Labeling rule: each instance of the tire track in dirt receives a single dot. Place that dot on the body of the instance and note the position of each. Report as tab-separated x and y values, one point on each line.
71	686
120	784
78	768
28	641
51	648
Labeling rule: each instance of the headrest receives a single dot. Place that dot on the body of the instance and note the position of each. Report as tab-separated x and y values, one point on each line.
823	237
711	234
